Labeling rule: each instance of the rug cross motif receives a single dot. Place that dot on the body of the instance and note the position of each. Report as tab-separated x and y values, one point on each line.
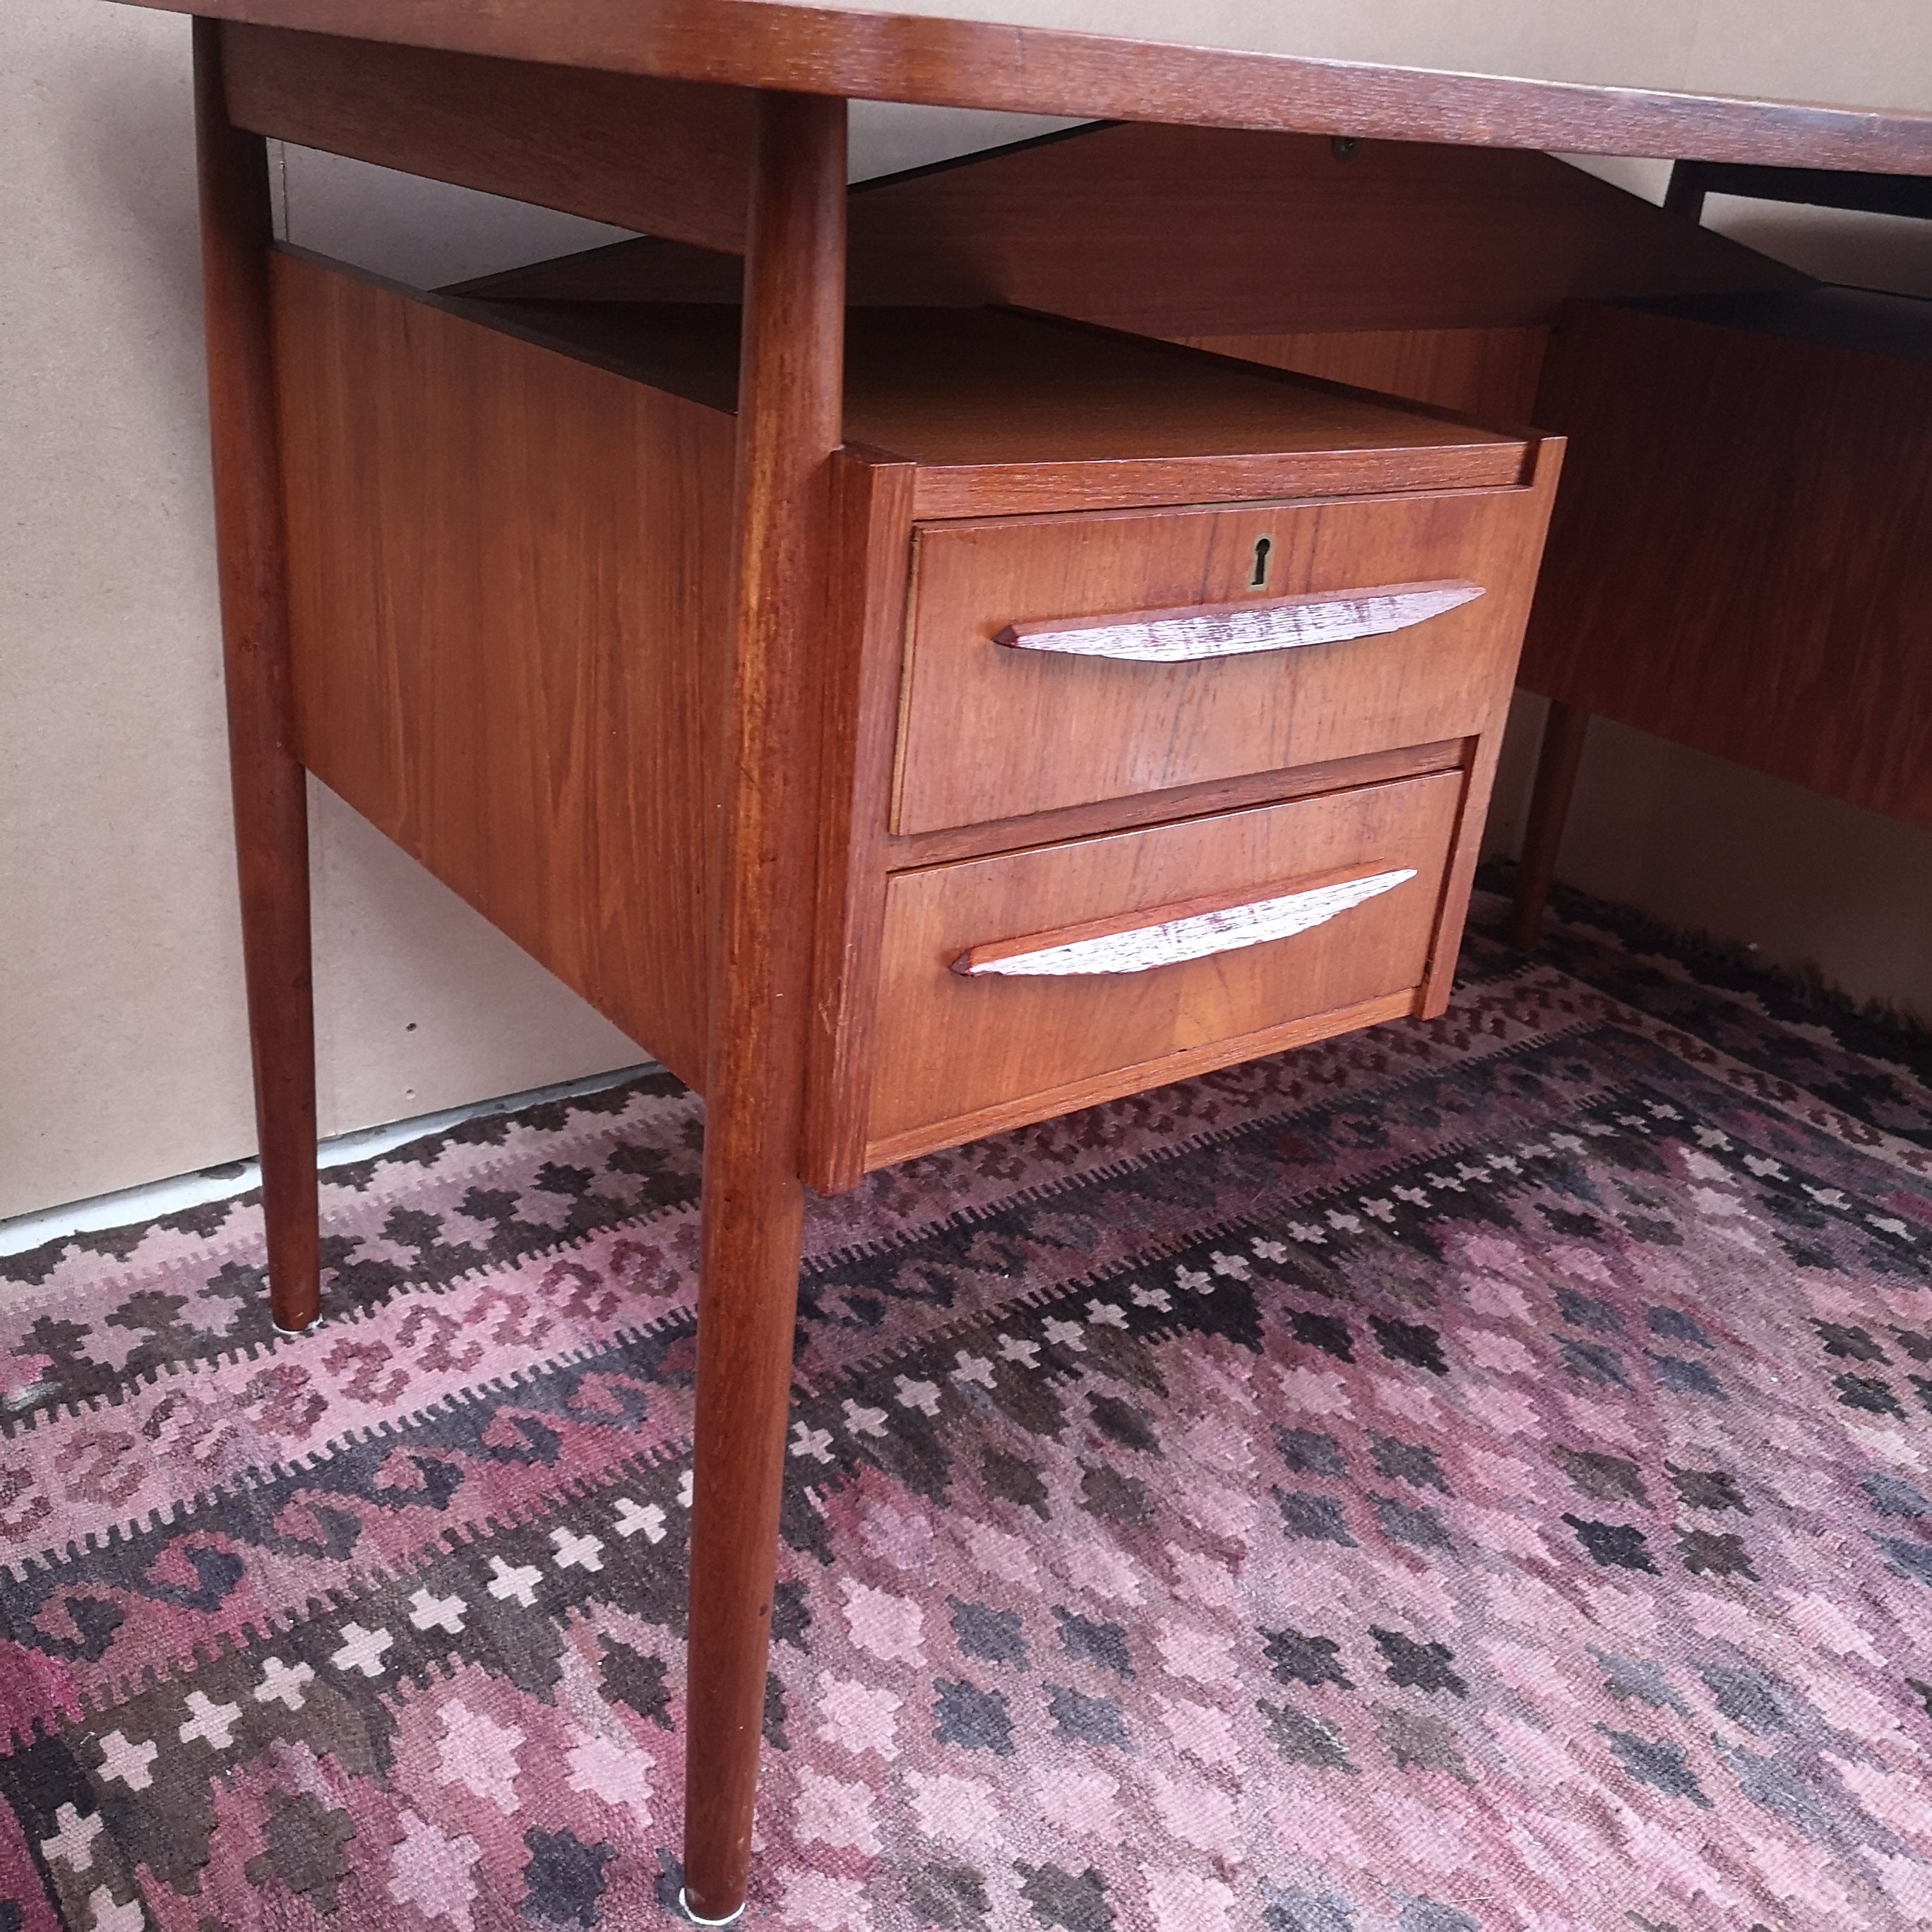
1470	1475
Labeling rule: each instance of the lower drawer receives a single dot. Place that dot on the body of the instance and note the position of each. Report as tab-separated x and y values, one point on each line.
1015	987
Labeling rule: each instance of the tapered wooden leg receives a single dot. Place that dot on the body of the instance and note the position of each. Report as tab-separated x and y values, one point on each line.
789	405
1556	768
271	807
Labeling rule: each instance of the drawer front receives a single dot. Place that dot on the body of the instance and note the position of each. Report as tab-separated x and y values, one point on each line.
1011	985
1060	661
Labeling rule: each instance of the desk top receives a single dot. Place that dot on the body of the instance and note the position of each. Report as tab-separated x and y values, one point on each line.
938	58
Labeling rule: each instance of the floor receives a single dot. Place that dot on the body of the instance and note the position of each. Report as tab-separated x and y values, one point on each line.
1466	1475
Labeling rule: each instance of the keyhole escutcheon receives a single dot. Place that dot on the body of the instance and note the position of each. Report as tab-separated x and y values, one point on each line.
1258	578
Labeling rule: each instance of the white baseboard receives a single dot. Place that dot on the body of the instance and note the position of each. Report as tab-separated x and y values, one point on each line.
156	1198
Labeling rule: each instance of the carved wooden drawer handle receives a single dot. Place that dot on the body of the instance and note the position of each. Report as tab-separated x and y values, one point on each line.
1232	630
1190	931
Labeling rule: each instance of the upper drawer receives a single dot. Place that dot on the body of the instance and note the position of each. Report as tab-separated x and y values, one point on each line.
1068	716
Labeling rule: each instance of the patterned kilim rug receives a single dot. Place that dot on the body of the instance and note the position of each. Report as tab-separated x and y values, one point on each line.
1471	1475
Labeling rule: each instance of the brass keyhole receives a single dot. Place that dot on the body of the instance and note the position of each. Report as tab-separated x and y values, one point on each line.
1258	580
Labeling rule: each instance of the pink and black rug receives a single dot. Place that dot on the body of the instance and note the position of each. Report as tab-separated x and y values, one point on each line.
1471	1475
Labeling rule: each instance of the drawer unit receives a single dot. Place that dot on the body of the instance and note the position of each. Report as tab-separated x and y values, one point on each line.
1161	690
1054	662
1020	986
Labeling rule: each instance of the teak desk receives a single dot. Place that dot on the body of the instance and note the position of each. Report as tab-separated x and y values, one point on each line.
808	949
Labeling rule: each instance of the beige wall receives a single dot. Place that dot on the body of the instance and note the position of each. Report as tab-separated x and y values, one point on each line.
122	1054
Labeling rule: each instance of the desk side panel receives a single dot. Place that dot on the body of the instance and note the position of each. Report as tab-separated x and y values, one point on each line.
1739	560
509	578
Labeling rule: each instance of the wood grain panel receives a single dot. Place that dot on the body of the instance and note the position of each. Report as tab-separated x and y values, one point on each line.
953	388
887	56
1050	732
1004	1116
1004	412
951	1047
1739	559
1205	232
669	156
514	676
1188	232
1489	374
1014	489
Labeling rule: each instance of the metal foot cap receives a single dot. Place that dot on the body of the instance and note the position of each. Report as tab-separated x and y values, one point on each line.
684	1906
